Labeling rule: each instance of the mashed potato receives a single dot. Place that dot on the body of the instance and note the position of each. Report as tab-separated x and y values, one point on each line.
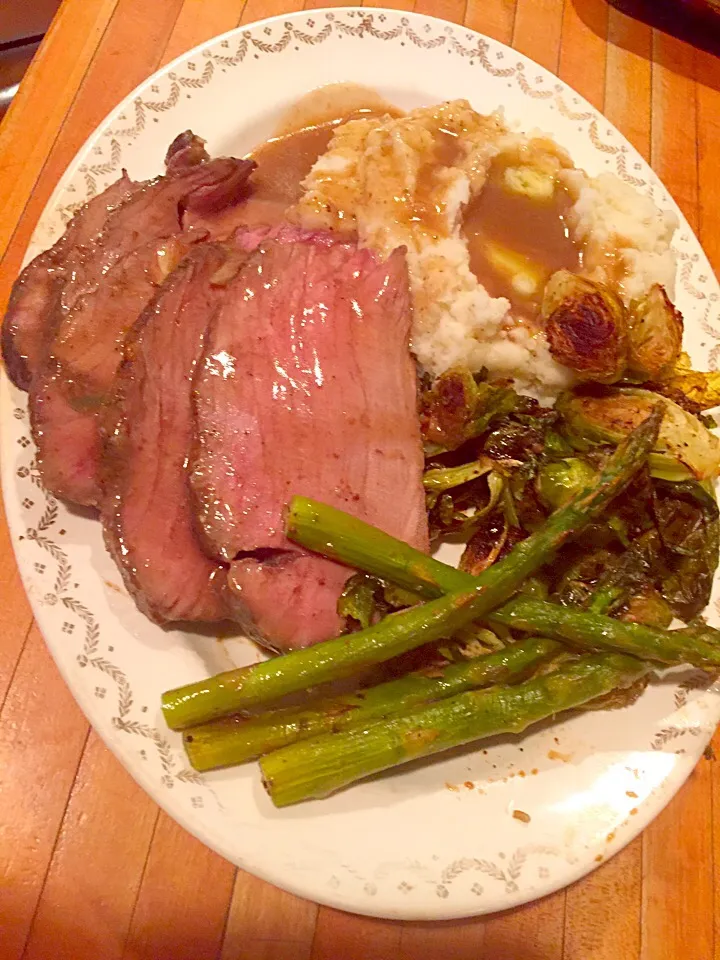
626	238
406	181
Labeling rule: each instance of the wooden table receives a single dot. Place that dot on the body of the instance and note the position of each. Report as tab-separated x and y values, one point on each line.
90	869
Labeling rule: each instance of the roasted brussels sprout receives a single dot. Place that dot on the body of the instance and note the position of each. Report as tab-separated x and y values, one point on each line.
655	330
438	479
648	606
460	406
486	543
607	417
358	602
457	498
664	467
559	481
690	388
586	327
686	516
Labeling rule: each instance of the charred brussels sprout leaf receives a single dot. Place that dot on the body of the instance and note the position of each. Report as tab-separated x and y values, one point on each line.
602	580
397	598
687	521
535	587
459	407
586	327
681	509
655	336
690	388
619	699
648	606
457	508
361	601
556	446
581	574
520	437
486	544
438	480
559	481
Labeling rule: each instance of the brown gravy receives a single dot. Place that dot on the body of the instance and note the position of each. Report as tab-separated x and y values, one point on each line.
302	135
334	104
283	162
425	209
282	165
534	230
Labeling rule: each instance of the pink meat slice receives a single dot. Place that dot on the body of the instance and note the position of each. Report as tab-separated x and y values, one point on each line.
307	386
89	344
68	452
287	601
146	512
157	209
31	314
107	285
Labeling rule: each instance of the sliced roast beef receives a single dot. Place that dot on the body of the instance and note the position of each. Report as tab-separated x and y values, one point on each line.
287	599
67	439
30	316
70	390
307	387
187	150
107	285
146	511
155	211
88	345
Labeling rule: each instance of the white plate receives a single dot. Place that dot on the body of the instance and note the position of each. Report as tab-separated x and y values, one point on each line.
439	839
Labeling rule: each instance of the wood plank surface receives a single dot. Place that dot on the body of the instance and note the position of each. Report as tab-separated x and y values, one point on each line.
673	847
182	902
86	903
252	923
15	613
602	919
537	30
60	65
583	49
89	868
40	751
628	79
